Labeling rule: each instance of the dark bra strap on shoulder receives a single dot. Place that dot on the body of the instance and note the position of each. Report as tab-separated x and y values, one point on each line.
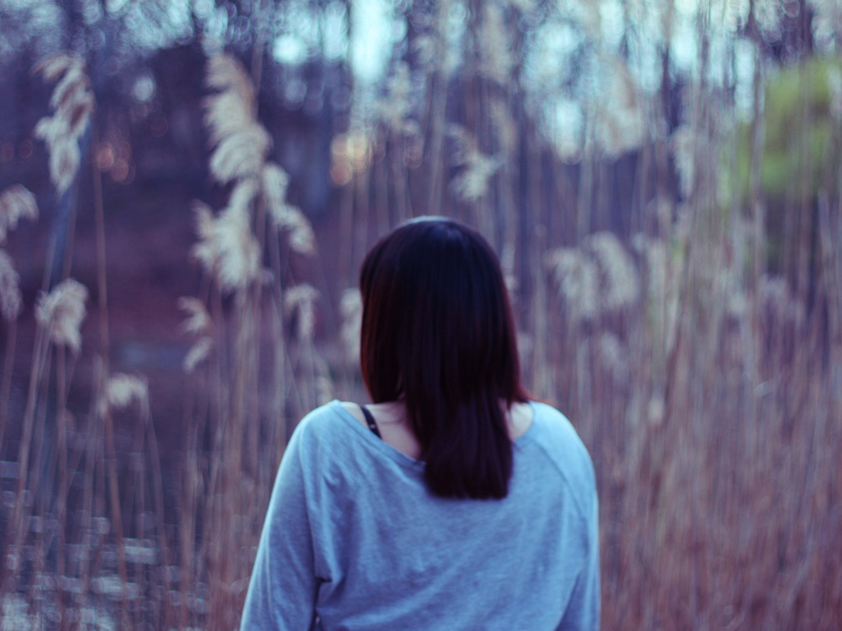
370	420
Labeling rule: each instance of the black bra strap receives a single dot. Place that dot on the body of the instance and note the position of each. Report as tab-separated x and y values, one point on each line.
370	420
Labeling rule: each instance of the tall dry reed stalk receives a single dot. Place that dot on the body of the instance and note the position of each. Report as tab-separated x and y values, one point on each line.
706	387
16	202
240	336
58	544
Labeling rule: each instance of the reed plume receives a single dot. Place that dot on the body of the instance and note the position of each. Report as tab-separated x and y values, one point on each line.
73	102
199	324
227	247
351	309
620	112
16	202
122	390
240	143
577	280
11	302
300	303
285	216
472	183
61	312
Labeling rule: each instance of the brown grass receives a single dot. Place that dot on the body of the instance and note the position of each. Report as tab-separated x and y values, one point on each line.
707	388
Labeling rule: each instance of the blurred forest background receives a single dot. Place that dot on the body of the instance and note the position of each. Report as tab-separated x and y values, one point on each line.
187	188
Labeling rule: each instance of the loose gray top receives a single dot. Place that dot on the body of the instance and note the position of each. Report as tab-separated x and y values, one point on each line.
354	540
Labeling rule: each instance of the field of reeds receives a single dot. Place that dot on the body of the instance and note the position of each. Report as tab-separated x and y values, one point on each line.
674	252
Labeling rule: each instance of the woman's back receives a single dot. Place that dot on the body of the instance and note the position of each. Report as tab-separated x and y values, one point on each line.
354	534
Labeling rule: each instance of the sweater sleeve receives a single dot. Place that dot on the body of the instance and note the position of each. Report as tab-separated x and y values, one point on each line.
283	586
583	609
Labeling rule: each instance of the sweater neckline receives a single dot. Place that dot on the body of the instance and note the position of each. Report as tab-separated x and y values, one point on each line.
396	454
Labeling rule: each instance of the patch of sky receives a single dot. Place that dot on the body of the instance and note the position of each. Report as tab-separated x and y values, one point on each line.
215	26
203	8
298	34
40	23
334	22
20	5
91	11
684	47
115	6
612	23
180	19
289	49
157	25
744	78
144	88
371	39
687	7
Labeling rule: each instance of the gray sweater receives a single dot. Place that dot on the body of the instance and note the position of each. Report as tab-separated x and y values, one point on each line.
353	539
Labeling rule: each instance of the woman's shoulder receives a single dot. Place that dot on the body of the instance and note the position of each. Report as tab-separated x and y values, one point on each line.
556	436
324	425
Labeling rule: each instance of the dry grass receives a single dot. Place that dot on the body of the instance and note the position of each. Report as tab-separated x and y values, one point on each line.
706	387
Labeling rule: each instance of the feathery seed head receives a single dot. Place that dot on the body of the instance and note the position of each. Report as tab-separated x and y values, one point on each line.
577	277
198	319
472	183
15	202
241	143
61	313
242	196
225	73
613	356
682	151
301	237
197	353
239	252
274	182
73	102
351	308
240	154
64	163
621	282
122	390
227	248
205	251
10	297
54	66
199	323
301	302
226	114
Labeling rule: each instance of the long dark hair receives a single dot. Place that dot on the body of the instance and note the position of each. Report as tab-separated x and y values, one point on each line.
438	332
